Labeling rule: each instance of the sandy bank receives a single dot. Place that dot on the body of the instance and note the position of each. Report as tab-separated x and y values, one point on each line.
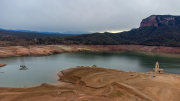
100	84
56	49
121	85
2	64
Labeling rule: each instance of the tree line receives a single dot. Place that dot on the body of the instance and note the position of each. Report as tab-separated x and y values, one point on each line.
164	35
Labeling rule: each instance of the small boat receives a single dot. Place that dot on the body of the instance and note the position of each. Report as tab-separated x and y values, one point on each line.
23	67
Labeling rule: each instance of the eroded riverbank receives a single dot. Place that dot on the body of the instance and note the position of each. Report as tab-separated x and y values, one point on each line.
42	50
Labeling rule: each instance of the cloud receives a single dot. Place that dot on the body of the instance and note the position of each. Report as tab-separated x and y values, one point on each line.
81	15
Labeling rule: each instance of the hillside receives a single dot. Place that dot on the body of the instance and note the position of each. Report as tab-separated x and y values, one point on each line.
156	30
14	38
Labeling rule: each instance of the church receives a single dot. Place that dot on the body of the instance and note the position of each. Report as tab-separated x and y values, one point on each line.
156	69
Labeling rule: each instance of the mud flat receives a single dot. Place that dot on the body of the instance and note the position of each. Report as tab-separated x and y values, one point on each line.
84	83
42	50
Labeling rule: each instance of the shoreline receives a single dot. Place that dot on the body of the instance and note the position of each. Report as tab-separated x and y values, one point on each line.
60	73
98	83
44	50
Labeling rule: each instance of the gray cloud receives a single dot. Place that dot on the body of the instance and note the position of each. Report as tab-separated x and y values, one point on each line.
81	15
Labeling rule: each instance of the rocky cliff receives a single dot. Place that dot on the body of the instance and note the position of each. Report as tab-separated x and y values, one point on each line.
158	20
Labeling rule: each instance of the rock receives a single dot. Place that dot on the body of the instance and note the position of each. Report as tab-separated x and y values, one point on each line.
158	20
2	64
149	21
94	66
60	74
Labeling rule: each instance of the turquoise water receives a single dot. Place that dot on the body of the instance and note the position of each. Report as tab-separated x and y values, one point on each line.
43	69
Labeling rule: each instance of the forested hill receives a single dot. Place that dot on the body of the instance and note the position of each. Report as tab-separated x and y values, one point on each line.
14	38
156	30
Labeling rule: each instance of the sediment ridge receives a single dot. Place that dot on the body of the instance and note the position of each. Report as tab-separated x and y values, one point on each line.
41	50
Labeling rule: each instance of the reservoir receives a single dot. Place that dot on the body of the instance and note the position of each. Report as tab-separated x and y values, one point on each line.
43	69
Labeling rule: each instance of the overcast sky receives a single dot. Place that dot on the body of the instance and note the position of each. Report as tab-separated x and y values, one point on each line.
81	15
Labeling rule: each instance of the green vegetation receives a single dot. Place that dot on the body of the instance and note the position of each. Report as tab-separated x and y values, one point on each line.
17	38
163	35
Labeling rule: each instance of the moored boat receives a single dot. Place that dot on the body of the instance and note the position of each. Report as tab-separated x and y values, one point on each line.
23	67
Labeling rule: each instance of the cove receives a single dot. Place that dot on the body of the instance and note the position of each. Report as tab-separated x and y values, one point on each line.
43	69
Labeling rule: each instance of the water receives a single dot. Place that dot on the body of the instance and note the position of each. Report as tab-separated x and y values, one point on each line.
43	69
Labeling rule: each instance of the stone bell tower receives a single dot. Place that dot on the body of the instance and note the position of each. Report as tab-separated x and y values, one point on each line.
156	69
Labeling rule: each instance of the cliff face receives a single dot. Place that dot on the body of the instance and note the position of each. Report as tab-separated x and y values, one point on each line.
158	20
149	21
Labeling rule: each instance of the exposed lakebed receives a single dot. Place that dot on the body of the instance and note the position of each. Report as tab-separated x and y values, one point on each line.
43	69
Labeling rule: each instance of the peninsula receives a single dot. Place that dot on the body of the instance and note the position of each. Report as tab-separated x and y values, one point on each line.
100	84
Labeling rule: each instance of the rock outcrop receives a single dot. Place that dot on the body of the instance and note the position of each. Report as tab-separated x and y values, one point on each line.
158	20
2	64
149	21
